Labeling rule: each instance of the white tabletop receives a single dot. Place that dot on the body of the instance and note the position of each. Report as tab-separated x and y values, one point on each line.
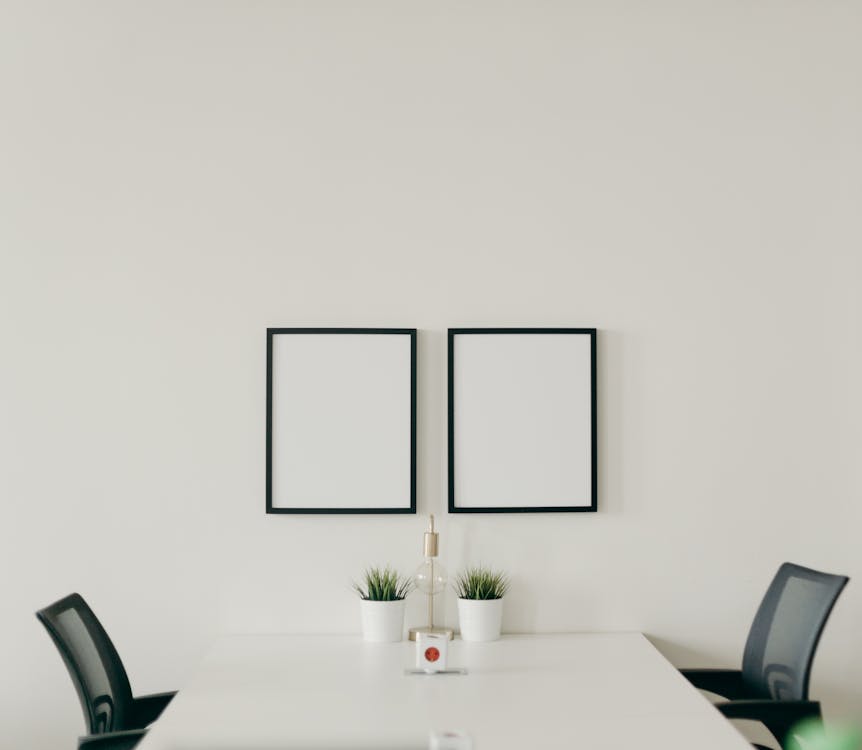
590	691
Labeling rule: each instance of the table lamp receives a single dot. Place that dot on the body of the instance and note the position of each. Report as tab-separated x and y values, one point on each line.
430	579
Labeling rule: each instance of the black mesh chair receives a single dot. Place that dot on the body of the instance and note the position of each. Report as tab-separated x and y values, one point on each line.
772	686
115	719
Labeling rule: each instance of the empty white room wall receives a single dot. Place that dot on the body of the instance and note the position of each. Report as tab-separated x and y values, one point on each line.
177	176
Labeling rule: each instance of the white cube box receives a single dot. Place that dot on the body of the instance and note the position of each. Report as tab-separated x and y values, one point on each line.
432	651
450	740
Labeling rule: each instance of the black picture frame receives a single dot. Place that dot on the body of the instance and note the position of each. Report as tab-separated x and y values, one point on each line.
454	506
271	333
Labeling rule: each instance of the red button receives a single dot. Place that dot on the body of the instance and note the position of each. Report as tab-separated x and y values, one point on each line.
431	654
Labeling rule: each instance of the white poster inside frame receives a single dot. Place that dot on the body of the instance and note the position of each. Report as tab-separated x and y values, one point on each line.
522	420
341	420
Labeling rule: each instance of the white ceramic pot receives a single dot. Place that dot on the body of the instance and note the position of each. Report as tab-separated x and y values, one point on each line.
382	622
480	619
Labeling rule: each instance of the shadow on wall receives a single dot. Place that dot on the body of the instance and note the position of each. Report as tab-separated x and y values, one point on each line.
611	398
682	656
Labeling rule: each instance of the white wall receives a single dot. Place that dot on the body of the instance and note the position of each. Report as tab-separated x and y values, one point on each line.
175	177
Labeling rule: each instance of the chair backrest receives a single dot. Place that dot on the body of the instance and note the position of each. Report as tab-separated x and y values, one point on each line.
780	648
93	663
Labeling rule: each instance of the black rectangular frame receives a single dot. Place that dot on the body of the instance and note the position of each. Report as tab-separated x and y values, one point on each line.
593	507
270	332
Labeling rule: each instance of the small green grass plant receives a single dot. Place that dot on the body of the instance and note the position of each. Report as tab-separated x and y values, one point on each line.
383	585
480	582
811	734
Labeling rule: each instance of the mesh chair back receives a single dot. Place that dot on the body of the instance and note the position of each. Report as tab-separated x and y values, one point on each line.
93	663
783	638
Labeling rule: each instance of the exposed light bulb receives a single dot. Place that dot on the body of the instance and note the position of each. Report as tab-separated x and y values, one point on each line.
430	577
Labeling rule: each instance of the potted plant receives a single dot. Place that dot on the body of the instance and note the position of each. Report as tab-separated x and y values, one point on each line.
480	603
811	734
382	592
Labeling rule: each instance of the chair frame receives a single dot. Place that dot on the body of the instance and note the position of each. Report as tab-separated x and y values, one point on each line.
137	713
747	701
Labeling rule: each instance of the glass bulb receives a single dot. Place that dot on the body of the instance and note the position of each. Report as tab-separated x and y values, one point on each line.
430	577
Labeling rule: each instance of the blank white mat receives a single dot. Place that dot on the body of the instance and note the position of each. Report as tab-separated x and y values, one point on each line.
522	413
341	421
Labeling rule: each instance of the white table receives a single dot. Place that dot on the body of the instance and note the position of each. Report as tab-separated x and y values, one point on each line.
586	691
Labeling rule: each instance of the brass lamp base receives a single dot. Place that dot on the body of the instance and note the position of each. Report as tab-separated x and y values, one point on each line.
448	632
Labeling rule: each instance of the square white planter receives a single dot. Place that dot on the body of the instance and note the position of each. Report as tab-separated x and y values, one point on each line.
480	619
382	622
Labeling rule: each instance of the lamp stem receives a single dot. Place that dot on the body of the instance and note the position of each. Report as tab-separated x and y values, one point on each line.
431	596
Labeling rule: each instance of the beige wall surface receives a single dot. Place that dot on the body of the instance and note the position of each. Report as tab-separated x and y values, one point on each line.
177	176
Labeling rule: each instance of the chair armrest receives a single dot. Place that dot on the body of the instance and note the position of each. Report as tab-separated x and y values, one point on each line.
777	716
147	708
724	682
125	740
